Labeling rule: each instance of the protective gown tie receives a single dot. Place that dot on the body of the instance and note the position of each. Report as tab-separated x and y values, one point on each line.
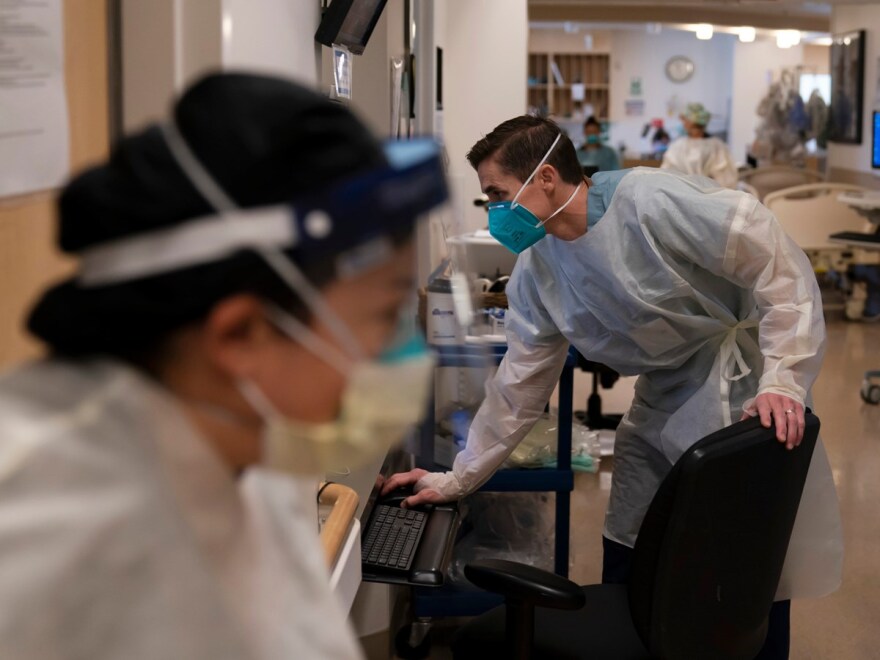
733	365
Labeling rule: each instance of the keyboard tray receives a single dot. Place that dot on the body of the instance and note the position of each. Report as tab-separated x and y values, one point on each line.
431	560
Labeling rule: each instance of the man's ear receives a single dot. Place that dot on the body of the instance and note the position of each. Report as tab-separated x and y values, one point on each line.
548	176
235	332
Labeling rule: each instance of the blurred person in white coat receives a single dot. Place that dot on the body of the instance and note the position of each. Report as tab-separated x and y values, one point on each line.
232	332
697	153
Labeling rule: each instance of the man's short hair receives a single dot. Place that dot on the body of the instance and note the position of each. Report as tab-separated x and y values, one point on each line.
519	144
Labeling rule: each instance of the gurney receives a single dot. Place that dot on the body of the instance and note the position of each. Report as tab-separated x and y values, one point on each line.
866	204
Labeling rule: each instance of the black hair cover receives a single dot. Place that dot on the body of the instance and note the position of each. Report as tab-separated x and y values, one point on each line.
264	140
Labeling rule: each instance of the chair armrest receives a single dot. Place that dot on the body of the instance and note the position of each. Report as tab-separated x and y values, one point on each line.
526	583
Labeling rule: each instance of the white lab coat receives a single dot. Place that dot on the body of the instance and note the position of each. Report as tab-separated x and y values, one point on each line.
122	535
703	156
697	290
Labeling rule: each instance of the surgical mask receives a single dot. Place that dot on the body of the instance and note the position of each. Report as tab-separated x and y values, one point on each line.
593	139
513	225
383	400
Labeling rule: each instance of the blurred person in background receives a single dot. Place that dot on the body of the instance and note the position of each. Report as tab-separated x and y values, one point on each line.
593	153
698	153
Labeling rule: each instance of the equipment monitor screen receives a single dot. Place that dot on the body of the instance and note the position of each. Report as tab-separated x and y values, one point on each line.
875	142
349	23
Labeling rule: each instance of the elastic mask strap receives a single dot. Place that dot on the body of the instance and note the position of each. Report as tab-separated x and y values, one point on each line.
283	267
200	178
299	283
560	209
300	332
257	400
513	204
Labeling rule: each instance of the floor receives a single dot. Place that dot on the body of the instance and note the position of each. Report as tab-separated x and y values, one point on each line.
844	625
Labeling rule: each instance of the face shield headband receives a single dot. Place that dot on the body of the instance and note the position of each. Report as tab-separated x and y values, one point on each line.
383	200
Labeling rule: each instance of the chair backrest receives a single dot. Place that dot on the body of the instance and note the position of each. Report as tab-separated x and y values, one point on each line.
776	177
710	550
812	212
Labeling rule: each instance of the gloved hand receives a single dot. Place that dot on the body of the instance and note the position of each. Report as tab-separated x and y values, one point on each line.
411	478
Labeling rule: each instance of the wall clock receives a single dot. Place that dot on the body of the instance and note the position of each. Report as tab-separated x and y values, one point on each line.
679	69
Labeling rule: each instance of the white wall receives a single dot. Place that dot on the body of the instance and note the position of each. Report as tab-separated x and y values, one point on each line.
148	61
484	43
484	62
200	39
168	43
634	53
755	66
371	72
844	18
274	36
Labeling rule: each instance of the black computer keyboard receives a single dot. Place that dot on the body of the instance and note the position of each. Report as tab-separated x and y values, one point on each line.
392	539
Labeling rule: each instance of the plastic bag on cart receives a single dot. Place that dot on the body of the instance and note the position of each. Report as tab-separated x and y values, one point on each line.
514	526
538	448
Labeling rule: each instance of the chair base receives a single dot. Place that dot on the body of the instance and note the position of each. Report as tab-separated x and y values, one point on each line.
602	630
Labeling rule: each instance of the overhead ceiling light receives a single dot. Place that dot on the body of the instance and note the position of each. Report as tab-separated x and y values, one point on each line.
788	38
823	41
704	31
747	34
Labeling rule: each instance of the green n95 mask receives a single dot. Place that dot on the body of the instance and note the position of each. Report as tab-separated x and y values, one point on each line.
515	226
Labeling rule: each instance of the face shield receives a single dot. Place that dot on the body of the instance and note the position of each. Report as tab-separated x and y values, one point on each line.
385	396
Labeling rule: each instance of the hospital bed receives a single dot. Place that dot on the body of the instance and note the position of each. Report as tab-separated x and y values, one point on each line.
766	180
810	213
866	204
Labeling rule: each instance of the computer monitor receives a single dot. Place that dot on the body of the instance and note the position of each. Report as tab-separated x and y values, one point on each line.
349	23
875	142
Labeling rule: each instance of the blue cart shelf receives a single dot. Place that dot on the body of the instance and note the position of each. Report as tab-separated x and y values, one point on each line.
456	601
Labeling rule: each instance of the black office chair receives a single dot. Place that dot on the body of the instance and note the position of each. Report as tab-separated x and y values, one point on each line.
705	568
593	416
